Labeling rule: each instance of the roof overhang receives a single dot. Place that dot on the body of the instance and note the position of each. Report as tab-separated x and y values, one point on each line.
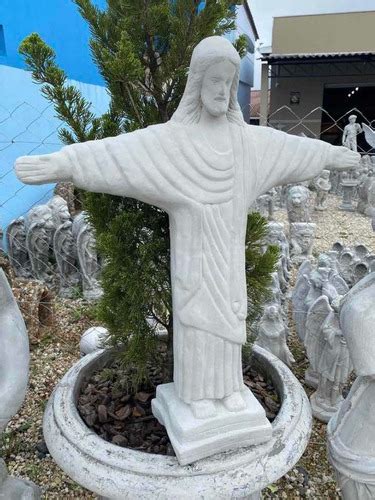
321	58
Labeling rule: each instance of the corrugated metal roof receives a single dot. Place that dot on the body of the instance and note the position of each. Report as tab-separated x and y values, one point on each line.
343	55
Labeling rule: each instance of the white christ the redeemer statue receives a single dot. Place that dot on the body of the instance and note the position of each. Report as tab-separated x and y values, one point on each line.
205	167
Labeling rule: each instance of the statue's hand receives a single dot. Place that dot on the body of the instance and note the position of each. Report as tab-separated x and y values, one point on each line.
342	158
42	169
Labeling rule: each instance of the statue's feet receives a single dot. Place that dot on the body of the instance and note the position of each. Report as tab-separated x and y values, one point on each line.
234	402
203	408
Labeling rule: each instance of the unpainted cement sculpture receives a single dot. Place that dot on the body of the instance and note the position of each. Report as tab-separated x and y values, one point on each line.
60	211
328	356
65	252
17	249
351	432
351	130
85	242
14	374
272	334
201	168
323	186
302	236
298	204
39	230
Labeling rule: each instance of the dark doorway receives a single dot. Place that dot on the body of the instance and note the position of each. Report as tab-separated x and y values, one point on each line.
341	102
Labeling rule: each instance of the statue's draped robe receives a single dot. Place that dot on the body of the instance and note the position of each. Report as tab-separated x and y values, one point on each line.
207	195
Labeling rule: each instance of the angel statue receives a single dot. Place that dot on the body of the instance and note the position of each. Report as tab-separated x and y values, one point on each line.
205	168
369	135
328	355
272	334
351	431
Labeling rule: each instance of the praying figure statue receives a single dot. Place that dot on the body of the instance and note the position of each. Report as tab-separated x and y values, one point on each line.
205	168
351	130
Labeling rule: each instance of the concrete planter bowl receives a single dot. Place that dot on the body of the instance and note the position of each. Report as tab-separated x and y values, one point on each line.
114	472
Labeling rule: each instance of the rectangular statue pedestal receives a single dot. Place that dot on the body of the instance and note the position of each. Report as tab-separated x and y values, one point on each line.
193	439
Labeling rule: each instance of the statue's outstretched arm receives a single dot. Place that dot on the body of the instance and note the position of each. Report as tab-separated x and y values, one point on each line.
43	169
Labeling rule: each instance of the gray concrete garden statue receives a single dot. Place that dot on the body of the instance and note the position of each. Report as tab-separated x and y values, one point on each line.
14	375
351	130
351	432
205	168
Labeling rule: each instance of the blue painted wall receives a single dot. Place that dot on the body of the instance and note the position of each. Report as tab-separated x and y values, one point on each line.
59	23
27	123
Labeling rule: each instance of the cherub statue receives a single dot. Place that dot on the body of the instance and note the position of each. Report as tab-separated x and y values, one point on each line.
272	334
323	186
328	356
351	431
349	137
205	168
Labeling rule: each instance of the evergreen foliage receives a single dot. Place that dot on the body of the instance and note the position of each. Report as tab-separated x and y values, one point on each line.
142	49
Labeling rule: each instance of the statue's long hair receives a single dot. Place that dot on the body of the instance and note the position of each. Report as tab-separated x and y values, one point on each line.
209	51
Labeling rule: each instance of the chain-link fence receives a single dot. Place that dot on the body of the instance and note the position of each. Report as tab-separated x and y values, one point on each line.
48	245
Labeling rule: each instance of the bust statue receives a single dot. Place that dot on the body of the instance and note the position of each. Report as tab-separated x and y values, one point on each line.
205	168
85	245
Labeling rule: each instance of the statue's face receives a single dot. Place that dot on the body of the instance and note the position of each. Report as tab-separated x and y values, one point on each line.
216	86
352	119
296	199
48	221
64	214
272	312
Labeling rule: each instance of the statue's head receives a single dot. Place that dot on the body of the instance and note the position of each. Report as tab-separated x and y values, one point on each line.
272	312
42	216
297	195
325	174
357	320
212	83
304	233
59	209
352	118
275	231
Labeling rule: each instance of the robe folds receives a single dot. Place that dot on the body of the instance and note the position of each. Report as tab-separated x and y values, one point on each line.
207	195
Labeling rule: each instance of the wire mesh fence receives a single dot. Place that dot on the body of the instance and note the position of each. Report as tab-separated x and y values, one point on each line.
48	246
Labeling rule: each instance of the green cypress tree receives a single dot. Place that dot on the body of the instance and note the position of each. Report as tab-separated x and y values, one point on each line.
142	49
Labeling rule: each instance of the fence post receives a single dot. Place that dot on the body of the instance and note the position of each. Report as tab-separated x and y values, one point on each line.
264	95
